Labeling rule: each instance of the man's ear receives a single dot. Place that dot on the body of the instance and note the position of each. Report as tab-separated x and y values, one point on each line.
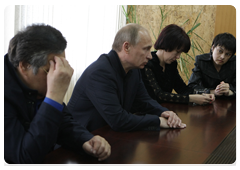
23	67
126	47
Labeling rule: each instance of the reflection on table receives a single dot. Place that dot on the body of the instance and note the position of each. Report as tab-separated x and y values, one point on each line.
207	126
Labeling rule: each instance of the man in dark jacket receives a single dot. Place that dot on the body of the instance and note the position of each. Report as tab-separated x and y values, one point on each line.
36	78
111	88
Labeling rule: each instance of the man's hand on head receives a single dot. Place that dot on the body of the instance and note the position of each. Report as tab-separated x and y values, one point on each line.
58	78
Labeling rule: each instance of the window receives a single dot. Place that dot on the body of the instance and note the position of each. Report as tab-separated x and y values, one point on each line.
89	30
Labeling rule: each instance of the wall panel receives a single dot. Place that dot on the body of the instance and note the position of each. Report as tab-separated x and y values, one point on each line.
225	19
149	16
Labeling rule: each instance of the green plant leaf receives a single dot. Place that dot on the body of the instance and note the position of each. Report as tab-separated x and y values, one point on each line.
193	28
185	22
201	50
180	64
125	13
185	60
192	47
183	67
195	46
161	18
197	17
131	17
152	32
190	56
201	38
134	16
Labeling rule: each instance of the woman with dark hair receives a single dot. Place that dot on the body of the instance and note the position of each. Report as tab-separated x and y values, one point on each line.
215	72
161	75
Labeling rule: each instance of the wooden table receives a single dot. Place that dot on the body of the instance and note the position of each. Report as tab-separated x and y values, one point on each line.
207	127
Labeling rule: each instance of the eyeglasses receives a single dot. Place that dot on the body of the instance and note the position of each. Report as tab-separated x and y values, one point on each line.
45	70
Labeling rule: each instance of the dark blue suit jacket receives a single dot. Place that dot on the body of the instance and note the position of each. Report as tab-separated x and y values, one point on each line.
105	94
28	137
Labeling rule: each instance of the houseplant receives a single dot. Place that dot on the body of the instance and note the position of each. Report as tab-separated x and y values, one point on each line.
186	58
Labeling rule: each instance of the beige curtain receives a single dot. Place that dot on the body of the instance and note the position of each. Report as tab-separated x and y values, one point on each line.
89	30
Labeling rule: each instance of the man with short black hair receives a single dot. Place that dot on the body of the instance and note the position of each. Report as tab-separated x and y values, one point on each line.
36	78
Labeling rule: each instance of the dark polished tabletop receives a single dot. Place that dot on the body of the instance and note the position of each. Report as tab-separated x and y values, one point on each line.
207	127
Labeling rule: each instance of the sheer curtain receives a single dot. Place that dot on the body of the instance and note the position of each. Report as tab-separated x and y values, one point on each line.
89	30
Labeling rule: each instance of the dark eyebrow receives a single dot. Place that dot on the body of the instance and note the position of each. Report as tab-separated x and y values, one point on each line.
225	50
221	48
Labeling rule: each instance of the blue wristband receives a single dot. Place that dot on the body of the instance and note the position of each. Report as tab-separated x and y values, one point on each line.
54	103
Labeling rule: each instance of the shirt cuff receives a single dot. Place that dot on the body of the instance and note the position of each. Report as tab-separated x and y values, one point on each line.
54	103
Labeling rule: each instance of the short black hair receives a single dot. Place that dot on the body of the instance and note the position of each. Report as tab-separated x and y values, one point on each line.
34	44
226	40
173	37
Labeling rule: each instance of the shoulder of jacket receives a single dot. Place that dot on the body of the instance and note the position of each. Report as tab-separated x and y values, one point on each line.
203	57
150	64
154	61
99	67
233	58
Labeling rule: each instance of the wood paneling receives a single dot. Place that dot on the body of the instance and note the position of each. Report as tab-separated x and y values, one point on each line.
227	20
